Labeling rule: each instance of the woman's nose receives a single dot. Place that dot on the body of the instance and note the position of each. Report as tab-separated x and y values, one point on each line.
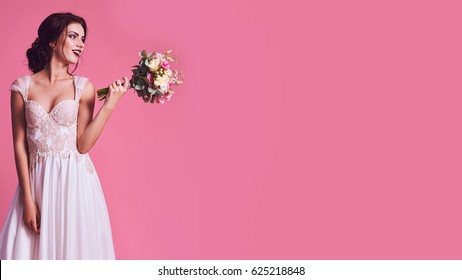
80	43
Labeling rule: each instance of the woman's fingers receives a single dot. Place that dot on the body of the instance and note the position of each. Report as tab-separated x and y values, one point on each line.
38	220
126	83
119	85
116	90
33	227
31	217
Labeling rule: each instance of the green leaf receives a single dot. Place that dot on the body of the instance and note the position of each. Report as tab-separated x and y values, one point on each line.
139	85
146	81
145	98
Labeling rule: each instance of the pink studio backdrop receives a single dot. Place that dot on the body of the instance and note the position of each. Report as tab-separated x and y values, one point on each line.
304	129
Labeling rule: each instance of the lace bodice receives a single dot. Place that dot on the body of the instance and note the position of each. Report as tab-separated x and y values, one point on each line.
53	133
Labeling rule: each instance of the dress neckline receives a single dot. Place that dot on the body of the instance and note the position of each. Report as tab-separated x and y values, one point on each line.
53	107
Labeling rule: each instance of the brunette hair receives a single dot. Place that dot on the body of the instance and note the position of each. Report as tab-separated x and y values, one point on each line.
40	53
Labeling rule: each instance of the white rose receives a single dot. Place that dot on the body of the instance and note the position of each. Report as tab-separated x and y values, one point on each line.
161	81
164	88
153	65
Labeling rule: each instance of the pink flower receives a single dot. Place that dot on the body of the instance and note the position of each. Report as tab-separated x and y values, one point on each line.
149	77
159	99
165	64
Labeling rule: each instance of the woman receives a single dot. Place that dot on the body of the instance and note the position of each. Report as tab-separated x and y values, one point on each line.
58	211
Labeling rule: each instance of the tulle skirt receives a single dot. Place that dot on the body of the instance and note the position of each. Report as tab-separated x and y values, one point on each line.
74	217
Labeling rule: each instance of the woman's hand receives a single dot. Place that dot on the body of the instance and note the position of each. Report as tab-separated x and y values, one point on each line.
31	216
116	91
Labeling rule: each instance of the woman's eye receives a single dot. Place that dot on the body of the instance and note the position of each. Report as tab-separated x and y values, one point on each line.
72	36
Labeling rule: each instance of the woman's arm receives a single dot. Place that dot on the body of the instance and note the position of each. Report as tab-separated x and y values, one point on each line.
31	215
89	129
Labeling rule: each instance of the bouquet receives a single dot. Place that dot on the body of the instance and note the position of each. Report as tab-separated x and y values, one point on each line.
153	79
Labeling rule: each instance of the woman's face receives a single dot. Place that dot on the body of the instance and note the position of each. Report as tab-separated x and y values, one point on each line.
70	44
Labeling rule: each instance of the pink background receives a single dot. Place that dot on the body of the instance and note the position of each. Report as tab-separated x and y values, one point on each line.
319	130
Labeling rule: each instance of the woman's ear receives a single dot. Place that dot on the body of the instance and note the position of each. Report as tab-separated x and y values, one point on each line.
52	45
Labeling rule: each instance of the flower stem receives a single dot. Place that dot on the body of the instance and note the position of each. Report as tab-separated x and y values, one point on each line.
102	93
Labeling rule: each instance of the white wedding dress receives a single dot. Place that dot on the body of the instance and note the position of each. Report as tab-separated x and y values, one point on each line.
74	218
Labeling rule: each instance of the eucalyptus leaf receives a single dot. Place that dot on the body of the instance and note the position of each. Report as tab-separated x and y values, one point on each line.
143	78
139	85
144	70
145	95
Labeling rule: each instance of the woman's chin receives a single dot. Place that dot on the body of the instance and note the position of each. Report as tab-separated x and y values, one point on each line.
73	60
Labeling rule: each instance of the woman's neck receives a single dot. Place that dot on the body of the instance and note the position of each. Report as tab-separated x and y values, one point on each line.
55	71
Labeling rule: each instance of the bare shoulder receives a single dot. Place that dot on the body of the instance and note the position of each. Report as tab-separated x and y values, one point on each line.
88	91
